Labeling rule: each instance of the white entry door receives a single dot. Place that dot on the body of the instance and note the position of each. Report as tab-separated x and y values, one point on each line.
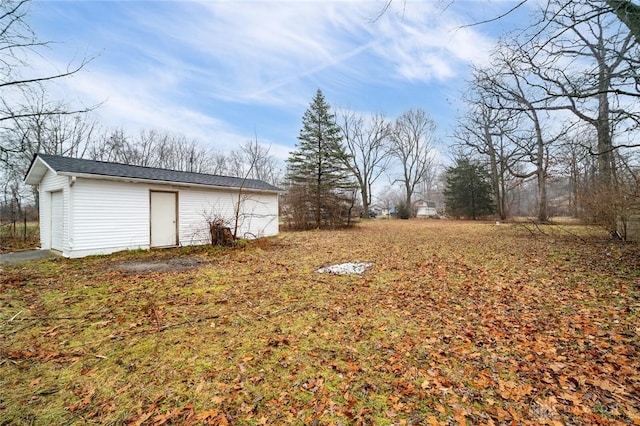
164	223
57	220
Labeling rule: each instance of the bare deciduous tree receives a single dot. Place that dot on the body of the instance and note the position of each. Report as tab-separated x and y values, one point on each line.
30	122
68	134
17	43
579	166
627	12
253	160
224	228
485	129
257	162
589	70
25	136
367	145
156	149
412	145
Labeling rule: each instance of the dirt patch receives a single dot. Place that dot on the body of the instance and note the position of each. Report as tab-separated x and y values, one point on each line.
165	265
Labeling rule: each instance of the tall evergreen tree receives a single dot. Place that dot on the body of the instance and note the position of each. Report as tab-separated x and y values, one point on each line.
316	170
468	191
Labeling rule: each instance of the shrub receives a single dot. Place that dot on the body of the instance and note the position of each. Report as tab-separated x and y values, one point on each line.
404	212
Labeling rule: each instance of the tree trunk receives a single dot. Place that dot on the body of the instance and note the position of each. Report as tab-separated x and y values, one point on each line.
629	13
497	178
574	186
364	193
543	214
319	185
603	128
504	206
541	170
220	234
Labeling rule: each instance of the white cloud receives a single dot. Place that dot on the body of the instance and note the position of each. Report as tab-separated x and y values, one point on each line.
427	43
265	52
182	66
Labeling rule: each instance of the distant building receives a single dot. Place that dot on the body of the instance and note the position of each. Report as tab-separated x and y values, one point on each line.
425	208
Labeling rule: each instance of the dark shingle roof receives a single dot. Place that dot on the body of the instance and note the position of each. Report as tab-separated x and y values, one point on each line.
102	168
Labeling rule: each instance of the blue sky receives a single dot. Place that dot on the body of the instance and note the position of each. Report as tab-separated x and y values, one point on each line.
222	72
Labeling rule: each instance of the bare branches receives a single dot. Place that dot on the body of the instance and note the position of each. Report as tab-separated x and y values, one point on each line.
152	148
28	81
255	154
498	17
17	42
383	11
367	145
30	121
26	114
254	160
412	145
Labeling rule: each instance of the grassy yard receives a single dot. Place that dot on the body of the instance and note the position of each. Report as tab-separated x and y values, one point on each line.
456	323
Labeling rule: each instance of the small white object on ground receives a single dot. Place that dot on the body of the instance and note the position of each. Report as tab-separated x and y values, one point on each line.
346	268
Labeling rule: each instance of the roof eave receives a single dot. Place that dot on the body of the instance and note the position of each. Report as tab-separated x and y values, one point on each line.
164	182
33	177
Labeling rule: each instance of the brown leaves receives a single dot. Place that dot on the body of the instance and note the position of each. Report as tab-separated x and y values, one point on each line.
456	323
44	354
87	396
511	390
185	415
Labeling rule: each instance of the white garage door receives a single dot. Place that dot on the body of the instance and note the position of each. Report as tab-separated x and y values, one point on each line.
164	219
57	220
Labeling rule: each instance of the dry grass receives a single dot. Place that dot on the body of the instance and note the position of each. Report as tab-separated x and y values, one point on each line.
14	237
455	323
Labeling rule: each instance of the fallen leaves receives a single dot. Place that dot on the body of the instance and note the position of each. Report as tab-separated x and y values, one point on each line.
457	323
510	390
184	415
86	397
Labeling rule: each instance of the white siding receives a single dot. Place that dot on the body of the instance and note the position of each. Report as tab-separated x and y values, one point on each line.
51	183
258	214
109	216
57	222
104	216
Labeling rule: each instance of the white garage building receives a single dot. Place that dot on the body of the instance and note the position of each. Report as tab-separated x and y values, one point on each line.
93	207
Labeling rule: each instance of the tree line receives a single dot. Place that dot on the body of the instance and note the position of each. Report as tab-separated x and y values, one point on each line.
556	107
340	156
358	149
560	101
77	136
32	122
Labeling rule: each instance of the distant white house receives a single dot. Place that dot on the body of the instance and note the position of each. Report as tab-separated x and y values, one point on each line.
94	207
425	208
387	212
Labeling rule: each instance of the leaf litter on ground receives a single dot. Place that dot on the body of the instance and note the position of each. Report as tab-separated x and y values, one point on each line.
458	323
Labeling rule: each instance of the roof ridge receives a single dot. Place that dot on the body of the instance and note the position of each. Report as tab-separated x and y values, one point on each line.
144	167
109	168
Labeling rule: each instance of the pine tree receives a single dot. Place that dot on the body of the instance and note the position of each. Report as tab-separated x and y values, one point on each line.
468	190
316	170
